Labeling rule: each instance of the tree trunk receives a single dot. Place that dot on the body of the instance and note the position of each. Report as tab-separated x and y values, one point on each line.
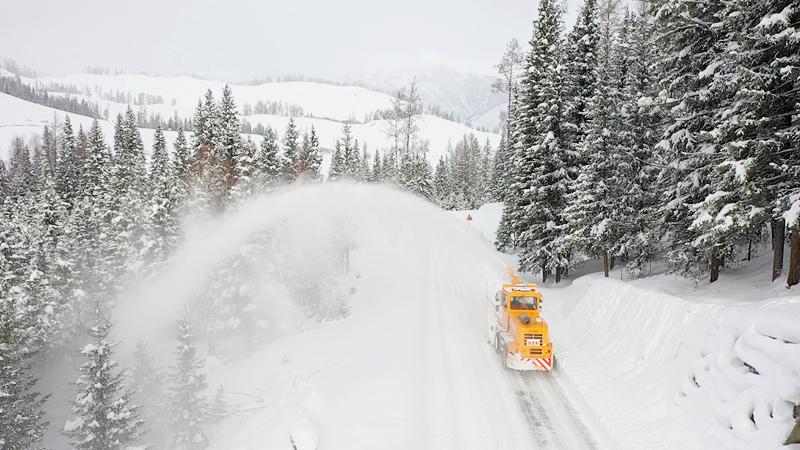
558	274
605	264
794	258
715	263
778	240
749	249
613	262
544	273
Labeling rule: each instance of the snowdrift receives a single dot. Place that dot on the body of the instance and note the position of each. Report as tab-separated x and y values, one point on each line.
729	371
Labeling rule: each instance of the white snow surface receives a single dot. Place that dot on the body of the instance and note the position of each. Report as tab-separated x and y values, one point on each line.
658	365
408	368
181	93
22	118
665	364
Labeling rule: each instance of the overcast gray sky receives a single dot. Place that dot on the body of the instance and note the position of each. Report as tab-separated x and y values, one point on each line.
242	39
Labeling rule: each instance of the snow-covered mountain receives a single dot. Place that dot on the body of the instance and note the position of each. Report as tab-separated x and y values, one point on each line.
330	105
468	95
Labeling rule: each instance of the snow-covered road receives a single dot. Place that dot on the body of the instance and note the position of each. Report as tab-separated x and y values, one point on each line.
409	367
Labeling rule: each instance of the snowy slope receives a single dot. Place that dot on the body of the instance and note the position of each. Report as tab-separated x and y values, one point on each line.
182	92
18	117
26	119
465	93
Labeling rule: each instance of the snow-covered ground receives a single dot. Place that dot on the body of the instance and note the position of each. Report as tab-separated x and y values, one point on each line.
409	367
182	92
654	363
22	118
667	364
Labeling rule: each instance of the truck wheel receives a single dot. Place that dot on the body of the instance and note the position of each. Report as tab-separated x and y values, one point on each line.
503	355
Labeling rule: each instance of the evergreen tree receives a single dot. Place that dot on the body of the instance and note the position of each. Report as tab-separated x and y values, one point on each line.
229	151
376	176
591	213
441	184
182	167
582	64
4	183
188	404
267	165
21	169
544	160
97	163
415	175
147	383
502	170
162	221
309	158
689	148
69	164
105	417
291	152
21	407
636	209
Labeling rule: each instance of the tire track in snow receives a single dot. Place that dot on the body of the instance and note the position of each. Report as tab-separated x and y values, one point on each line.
552	414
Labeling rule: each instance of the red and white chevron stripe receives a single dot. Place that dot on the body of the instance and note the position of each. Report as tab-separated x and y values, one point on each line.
542	363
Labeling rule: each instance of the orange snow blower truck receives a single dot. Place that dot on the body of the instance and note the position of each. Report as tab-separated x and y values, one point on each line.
516	328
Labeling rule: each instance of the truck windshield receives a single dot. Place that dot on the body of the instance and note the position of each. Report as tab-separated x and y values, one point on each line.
523	303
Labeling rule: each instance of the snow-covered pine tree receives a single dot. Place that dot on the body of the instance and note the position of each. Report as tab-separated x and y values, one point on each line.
229	150
310	158
337	169
543	159
20	169
639	132
352	161
267	165
219	406
125	202
691	70
346	161
485	175
592	205
162	221
245	170
291	151
97	163
364	170
581	65
501	170
21	407
389	168
207	170
416	176
182	168
4	183
376	175
105	415
147	381
441	183
188	404
69	164
758	133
